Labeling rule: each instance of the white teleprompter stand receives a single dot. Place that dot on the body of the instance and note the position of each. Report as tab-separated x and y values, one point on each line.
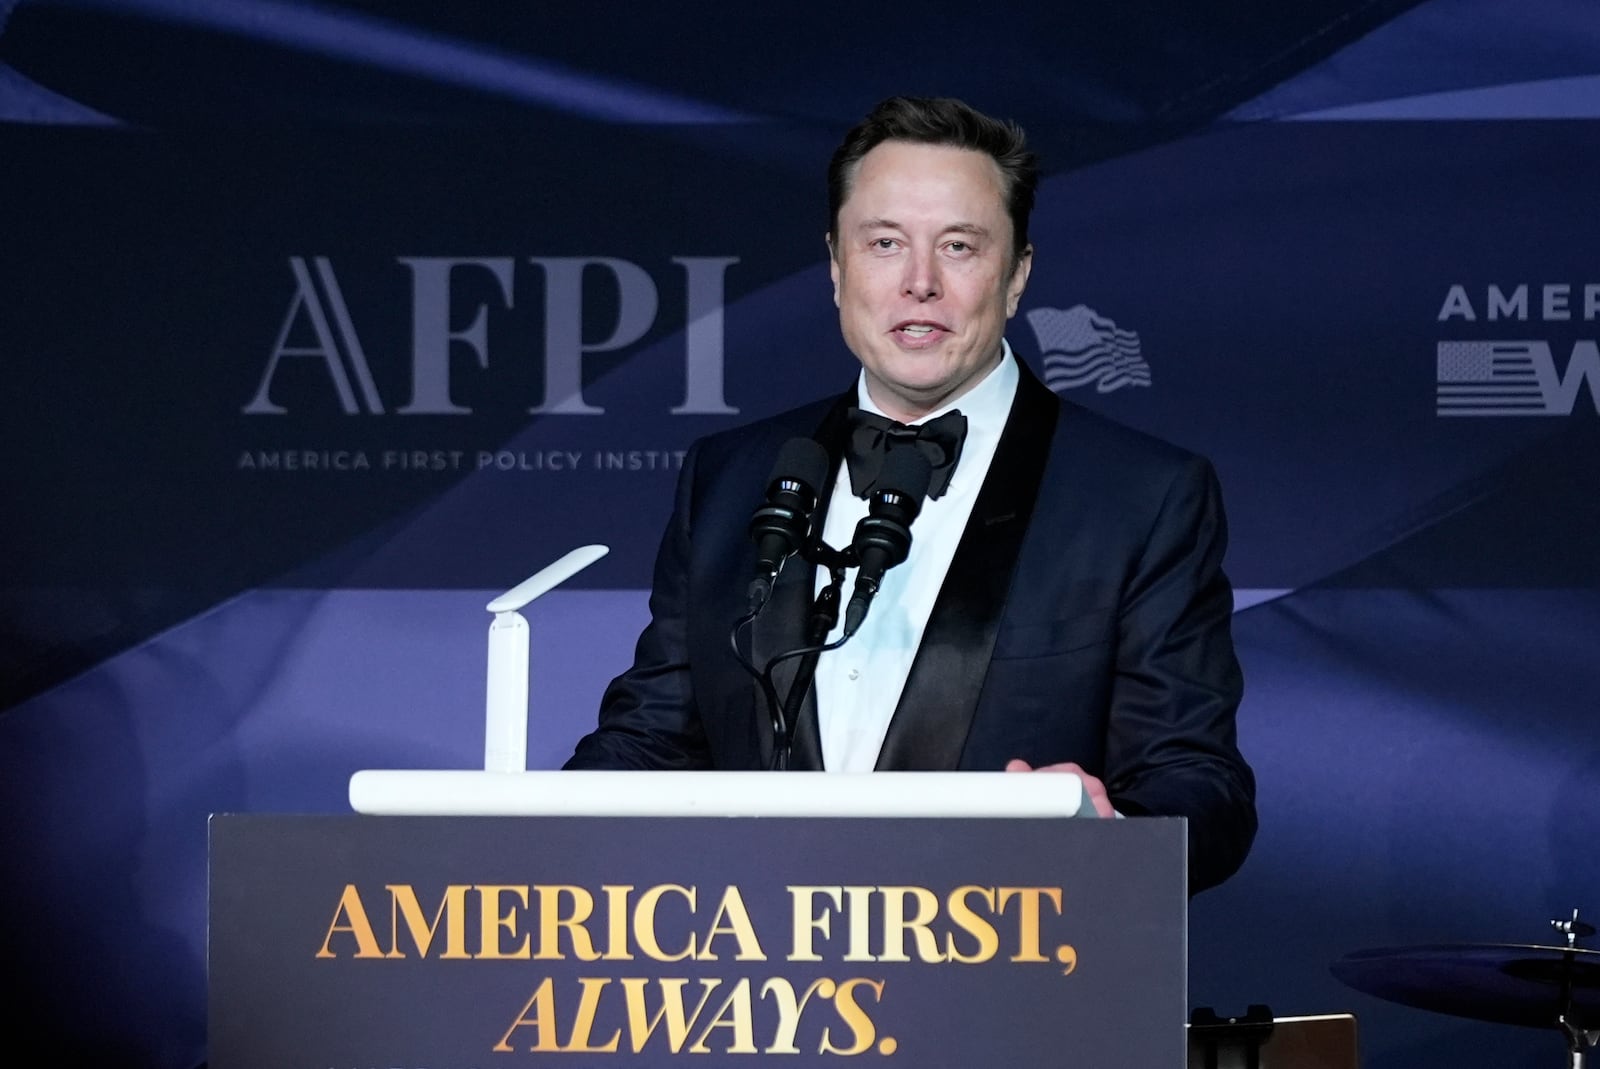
505	720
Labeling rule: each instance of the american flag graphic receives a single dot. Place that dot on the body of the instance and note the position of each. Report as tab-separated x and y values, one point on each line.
1081	347
1489	378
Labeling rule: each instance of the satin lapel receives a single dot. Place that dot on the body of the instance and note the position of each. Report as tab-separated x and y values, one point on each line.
931	723
782	624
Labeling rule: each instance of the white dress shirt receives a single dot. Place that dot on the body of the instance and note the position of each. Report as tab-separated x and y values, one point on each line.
859	684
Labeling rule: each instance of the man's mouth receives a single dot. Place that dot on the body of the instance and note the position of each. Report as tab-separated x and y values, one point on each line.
918	330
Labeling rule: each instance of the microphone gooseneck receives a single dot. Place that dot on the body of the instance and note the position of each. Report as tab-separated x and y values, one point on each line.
780	526
883	537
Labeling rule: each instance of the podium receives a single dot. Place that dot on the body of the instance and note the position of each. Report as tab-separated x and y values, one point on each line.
707	939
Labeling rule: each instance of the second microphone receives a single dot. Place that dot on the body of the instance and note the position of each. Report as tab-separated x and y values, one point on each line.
883	537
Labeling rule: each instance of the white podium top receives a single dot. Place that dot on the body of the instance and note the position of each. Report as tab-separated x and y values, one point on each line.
441	792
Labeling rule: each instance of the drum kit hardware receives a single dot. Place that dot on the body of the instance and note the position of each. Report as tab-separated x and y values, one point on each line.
1556	986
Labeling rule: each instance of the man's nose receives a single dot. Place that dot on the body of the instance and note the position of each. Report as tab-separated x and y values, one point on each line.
922	277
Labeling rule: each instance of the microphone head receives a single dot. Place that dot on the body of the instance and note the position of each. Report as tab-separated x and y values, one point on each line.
906	471
883	536
801	460
780	526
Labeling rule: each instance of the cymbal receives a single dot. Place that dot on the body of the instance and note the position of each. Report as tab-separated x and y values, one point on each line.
1507	983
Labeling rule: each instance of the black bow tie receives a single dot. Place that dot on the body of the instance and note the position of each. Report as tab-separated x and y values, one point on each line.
872	436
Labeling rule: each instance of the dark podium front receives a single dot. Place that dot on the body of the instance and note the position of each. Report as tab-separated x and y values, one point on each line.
462	942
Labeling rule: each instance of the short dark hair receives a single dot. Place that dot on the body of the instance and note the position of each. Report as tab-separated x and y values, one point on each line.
940	121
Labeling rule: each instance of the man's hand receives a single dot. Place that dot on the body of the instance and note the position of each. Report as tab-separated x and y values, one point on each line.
1091	786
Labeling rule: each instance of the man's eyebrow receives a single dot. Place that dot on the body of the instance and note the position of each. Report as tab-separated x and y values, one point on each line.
954	228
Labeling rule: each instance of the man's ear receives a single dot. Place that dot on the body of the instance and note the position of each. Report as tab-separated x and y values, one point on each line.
1019	281
833	268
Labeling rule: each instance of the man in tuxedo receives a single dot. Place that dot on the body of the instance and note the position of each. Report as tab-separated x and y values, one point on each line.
1063	605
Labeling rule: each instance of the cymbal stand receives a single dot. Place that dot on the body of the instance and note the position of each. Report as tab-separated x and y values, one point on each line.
1579	1039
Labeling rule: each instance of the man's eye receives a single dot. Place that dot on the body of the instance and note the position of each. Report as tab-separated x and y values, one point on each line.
883	243
959	246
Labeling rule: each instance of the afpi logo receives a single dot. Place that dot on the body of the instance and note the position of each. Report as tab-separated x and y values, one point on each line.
1082	347
319	315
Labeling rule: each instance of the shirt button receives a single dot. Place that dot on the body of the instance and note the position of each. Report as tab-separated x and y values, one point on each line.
854	674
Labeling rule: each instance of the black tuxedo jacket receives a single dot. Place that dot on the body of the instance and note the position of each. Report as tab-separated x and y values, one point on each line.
1085	617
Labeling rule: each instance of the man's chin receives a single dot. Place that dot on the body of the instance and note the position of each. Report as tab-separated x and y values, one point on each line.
910	400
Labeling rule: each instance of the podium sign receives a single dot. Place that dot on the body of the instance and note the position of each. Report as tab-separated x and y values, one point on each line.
468	942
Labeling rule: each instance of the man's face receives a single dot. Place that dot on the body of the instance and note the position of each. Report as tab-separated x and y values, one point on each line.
922	273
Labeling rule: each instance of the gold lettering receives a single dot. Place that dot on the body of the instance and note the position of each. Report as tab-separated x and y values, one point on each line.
1028	917
858	908
617	922
895	924
588	1005
964	918
403	904
355	923
552	923
790	1009
640	1028
860	1025
734	1013
733	919
543	1022
644	922
1067	955
804	921
493	921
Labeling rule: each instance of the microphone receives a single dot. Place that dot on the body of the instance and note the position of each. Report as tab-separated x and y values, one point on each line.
781	525
883	537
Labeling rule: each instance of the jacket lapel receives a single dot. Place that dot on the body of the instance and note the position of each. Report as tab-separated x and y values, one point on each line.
931	722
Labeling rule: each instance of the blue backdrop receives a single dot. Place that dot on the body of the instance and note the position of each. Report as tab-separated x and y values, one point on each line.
322	324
